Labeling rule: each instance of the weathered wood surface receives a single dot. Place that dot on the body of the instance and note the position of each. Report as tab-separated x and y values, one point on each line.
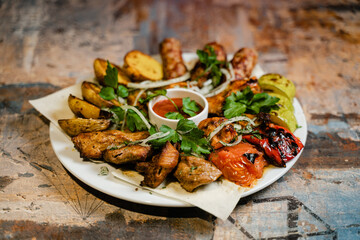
48	45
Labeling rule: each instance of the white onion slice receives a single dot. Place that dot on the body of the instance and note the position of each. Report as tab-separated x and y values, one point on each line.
231	120
121	100
138	113
232	73
162	83
232	144
222	86
138	96
153	137
142	142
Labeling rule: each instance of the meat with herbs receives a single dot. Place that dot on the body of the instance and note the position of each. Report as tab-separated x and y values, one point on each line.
93	144
199	73
242	163
156	170
227	134
193	172
127	154
217	102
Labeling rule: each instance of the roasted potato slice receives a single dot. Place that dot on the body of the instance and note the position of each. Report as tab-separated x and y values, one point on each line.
90	92
82	108
100	66
75	126
140	66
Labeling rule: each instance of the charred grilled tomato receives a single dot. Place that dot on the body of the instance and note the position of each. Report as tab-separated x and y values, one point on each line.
242	163
278	144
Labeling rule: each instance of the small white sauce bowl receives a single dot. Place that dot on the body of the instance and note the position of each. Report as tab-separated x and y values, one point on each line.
178	93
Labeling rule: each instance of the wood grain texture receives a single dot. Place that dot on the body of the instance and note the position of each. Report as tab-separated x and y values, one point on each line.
48	45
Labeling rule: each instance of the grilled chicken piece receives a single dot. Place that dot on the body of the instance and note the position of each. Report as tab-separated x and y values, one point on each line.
227	134
244	62
217	102
160	166
193	172
93	144
131	153
198	72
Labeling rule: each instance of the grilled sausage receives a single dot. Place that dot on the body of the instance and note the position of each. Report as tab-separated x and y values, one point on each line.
173	63
244	62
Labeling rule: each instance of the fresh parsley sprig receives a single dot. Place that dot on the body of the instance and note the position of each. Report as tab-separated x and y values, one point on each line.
212	65
247	102
191	137
174	115
129	118
190	107
112	89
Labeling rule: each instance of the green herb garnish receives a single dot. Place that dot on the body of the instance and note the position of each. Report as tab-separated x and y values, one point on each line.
191	137
134	122
174	115
103	171
247	102
190	107
160	92
192	168
112	89
212	65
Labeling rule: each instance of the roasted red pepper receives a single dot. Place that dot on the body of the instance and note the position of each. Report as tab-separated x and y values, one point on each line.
278	144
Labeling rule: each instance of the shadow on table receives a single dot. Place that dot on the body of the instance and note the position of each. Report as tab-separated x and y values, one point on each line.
170	212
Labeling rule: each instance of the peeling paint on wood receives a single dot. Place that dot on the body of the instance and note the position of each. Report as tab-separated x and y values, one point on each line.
48	45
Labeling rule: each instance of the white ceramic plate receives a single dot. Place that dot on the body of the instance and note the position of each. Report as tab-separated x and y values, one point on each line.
88	172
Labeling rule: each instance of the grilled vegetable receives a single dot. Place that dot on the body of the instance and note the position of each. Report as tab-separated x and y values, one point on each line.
139	67
100	66
82	108
278	84
278	144
242	163
74	127
90	92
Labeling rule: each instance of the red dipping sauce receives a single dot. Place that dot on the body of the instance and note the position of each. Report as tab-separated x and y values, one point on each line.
164	106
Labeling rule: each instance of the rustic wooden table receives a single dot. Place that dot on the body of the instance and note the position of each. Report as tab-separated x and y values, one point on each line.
49	45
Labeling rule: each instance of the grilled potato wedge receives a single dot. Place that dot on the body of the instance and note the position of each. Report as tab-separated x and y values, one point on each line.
74	127
100	66
90	92
140	66
82	108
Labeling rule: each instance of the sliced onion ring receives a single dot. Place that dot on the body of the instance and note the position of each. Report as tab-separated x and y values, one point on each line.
231	120
233	143
162	83
222	86
138	96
